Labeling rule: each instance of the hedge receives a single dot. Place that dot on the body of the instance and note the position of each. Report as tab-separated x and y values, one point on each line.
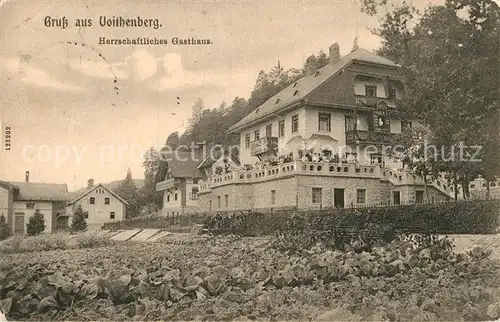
461	217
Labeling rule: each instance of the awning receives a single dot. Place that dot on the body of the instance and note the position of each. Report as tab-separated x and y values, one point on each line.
322	142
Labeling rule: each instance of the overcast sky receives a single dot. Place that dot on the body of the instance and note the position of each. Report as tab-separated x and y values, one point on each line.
68	116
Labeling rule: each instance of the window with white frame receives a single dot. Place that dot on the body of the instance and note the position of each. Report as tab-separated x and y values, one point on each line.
281	128
256	135
361	196
317	195
324	122
295	124
247	140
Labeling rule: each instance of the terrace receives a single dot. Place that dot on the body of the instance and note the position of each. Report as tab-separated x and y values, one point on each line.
292	168
297	167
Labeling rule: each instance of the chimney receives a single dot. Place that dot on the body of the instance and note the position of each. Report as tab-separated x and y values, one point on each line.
27	176
334	53
310	65
90	183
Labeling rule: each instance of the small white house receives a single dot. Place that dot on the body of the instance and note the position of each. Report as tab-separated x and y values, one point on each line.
100	205
20	200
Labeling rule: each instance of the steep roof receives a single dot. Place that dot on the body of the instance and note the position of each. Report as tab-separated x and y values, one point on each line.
304	86
5	185
40	191
95	187
212	155
181	164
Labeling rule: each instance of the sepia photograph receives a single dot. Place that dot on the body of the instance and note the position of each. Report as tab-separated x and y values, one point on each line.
255	160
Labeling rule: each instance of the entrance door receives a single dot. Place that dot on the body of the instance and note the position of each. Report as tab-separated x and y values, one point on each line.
338	198
19	223
396	197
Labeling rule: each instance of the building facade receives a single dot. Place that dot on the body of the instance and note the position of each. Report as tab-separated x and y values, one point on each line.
20	200
177	178
478	188
320	143
100	205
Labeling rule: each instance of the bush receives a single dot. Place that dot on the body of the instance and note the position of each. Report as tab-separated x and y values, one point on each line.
48	242
155	221
247	223
36	224
91	240
5	231
43	243
464	217
78	222
11	245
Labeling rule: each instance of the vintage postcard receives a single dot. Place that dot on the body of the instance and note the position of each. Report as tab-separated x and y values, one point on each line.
250	160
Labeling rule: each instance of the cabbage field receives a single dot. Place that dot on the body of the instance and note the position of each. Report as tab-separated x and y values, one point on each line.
234	278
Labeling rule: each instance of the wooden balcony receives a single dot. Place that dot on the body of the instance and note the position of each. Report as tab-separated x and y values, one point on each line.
264	145
368	137
167	184
365	101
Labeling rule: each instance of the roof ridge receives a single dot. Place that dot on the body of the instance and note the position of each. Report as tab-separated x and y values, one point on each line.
309	83
88	190
24	182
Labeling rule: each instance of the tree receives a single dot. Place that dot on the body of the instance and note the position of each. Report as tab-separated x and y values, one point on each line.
151	162
5	231
173	141
411	146
36	224
128	191
78	222
451	64
491	155
196	114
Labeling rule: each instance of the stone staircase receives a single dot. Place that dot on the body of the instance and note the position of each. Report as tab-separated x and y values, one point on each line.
401	177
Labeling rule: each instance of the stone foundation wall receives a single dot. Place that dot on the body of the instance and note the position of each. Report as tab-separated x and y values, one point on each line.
293	191
375	190
296	190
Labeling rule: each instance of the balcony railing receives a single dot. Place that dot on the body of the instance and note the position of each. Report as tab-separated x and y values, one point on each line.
292	168
396	177
364	136
370	101
263	145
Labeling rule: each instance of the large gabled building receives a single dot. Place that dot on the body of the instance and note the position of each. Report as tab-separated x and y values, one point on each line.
352	101
319	143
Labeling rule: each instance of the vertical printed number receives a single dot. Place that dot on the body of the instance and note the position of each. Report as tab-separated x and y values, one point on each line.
8	137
